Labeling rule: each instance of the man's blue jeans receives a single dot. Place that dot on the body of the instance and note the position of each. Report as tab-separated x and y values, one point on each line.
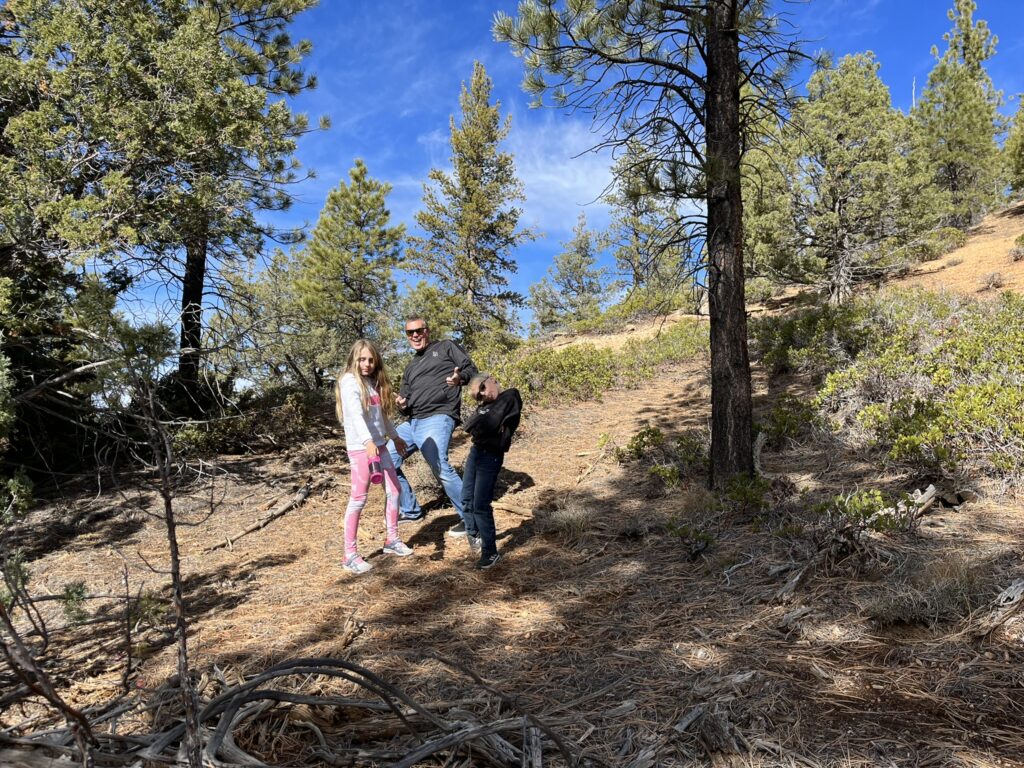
430	436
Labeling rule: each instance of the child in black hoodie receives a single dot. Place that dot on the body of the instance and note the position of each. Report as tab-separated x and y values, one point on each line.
491	427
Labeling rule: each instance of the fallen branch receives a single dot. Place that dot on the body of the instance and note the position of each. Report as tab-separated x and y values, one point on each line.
392	727
513	509
286	506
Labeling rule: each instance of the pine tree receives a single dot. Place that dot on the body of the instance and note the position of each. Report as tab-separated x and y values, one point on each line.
646	235
345	283
844	194
224	147
959	118
150	133
294	321
574	286
470	222
7	412
1014	151
669	75
265	331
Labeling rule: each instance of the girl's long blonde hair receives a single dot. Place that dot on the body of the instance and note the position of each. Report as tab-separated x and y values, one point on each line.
378	378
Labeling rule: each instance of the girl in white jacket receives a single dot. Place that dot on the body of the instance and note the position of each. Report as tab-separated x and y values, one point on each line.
364	402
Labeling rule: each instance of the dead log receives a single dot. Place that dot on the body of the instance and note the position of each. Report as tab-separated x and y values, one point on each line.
280	510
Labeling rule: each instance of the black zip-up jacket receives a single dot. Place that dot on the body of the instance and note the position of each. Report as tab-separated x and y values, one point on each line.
492	424
423	381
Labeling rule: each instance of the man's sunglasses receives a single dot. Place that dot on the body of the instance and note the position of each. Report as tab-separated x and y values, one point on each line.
416	331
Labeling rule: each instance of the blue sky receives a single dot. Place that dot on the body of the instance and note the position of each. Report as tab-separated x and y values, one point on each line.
390	74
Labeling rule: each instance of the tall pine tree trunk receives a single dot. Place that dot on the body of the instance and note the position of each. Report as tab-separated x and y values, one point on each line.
192	286
731	409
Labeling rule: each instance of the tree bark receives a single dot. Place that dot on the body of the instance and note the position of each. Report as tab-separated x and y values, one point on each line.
731	409
192	287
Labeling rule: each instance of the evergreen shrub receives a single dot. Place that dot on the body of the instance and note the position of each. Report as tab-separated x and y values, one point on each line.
278	417
547	376
939	242
992	281
790	419
939	385
758	290
815	341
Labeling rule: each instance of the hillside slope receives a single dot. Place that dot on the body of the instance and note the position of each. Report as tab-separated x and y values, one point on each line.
968	269
622	606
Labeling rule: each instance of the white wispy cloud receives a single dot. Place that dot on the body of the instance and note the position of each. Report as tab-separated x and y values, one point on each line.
560	175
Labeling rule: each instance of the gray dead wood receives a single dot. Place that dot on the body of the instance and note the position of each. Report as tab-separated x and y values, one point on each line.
30	758
920	503
717	734
1006	604
393	728
533	754
514	509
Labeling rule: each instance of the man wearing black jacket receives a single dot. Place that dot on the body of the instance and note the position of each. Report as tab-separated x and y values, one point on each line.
430	394
491	428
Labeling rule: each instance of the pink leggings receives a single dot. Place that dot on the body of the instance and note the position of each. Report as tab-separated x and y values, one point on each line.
357	500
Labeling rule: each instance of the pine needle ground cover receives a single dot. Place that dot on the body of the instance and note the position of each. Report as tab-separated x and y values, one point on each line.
624	606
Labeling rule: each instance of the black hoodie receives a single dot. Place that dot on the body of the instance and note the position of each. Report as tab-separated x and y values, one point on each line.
492	424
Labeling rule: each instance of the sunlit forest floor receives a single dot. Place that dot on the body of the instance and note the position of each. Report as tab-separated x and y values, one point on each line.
599	599
620	605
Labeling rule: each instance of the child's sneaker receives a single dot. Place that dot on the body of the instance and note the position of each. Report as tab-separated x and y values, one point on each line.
488	561
356	564
474	542
458	530
397	547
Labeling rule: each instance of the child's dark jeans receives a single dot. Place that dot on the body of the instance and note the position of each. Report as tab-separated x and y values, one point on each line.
479	476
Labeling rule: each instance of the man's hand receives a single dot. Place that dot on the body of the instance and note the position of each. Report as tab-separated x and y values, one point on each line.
455	380
400	401
400	446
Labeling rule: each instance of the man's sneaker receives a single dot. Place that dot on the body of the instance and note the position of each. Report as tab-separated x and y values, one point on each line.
488	561
475	542
458	530
356	564
404	518
397	547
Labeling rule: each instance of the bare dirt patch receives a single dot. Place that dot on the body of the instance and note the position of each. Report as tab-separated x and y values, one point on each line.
970	269
640	329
